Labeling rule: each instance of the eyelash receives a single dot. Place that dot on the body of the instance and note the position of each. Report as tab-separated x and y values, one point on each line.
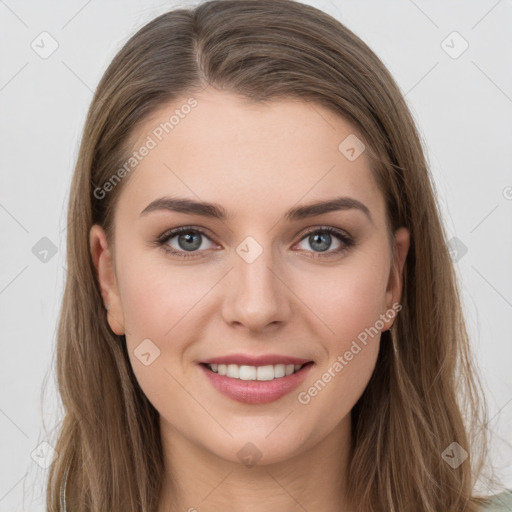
162	240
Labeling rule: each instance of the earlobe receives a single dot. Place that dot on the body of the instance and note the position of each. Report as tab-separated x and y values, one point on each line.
104	265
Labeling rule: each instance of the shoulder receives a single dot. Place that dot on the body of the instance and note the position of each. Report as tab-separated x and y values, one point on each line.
499	503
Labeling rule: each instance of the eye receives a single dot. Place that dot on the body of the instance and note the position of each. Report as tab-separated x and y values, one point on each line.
320	239
188	241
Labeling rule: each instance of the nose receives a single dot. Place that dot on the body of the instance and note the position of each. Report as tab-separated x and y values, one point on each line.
257	294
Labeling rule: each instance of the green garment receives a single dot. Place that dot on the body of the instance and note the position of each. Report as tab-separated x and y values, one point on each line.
500	503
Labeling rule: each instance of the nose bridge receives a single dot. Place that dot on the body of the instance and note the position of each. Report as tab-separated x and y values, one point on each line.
257	296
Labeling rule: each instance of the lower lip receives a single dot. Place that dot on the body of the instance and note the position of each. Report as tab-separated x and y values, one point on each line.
256	391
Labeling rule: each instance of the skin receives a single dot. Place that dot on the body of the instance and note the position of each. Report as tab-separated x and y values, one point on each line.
257	160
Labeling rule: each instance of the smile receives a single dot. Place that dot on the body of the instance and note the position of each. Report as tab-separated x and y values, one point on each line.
255	384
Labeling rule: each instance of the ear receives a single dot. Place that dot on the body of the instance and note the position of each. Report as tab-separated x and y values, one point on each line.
395	282
104	265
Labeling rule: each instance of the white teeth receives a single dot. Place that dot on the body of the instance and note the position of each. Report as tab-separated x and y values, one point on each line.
233	371
244	372
279	371
247	373
263	372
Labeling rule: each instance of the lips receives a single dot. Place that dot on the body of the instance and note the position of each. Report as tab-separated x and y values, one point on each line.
253	391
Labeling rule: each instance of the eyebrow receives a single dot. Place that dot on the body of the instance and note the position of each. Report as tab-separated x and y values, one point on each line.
216	211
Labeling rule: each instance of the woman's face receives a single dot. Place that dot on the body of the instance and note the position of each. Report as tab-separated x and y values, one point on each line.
256	282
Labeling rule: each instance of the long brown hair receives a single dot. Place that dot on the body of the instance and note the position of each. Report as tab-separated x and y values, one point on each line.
424	394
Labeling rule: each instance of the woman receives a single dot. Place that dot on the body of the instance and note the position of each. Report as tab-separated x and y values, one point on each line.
260	309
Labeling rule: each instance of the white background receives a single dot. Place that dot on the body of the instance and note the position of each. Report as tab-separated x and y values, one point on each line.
463	109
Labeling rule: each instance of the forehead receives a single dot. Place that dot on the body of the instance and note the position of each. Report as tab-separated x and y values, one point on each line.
249	155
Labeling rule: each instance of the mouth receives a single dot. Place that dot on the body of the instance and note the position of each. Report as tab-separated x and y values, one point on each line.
253	384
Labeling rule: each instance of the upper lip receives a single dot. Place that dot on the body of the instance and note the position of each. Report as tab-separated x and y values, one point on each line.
262	360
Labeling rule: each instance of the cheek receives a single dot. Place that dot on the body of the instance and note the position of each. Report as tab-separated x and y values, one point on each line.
350	306
158	308
349	299
156	296
164	304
